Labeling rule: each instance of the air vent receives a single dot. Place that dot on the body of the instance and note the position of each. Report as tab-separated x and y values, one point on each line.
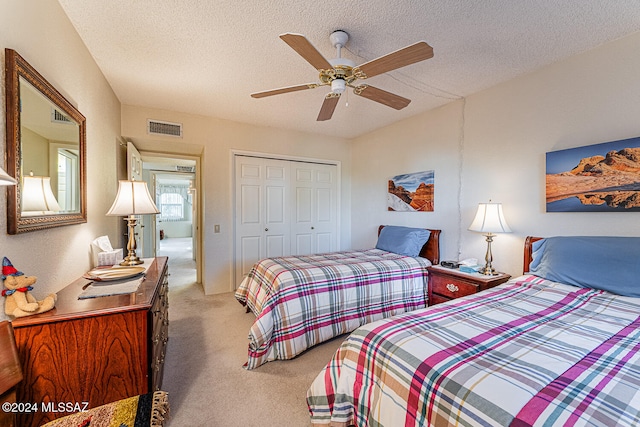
59	117
185	168
156	127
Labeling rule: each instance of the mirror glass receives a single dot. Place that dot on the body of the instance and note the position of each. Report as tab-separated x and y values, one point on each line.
46	152
50	149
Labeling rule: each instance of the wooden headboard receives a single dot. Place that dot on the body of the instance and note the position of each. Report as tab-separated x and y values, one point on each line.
431	249
528	249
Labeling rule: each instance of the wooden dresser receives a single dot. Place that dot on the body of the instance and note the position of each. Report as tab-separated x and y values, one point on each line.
94	350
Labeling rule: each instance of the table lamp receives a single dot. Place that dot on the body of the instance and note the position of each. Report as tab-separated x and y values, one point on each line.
37	197
133	199
6	179
489	219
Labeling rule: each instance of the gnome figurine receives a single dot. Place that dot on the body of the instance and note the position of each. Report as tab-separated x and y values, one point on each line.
19	301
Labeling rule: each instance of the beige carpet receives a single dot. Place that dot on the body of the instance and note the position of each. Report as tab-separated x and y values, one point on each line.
203	367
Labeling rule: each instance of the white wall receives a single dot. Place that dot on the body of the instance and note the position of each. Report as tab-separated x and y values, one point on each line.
422	143
175	229
588	99
41	33
216	139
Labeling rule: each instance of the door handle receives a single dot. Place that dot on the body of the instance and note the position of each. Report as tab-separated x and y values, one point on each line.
313	228
266	229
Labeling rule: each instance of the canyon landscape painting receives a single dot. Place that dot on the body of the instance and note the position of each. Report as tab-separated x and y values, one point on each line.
411	192
595	178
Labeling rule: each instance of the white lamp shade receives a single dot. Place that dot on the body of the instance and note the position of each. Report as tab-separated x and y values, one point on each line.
133	198
6	179
490	219
37	195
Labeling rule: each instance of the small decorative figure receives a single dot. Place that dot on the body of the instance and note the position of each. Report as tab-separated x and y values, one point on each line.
19	301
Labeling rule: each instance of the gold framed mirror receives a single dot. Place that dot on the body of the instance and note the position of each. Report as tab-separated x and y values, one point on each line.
46	152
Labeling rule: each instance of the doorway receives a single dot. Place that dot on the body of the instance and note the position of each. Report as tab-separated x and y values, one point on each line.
174	195
175	231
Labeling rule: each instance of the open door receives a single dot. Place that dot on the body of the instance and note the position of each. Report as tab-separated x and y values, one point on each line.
145	230
156	170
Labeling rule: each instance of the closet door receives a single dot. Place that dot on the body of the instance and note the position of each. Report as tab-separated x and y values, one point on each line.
262	211
314	208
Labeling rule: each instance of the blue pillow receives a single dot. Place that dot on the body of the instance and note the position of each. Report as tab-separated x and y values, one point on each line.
402	240
608	263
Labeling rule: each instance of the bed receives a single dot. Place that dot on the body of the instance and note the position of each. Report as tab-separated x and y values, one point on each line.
555	346
300	301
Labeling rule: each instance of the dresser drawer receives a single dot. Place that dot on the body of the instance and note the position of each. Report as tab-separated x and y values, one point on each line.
159	333
451	287
160	311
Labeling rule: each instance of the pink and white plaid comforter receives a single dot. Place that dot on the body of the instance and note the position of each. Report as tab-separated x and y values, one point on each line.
527	353
301	301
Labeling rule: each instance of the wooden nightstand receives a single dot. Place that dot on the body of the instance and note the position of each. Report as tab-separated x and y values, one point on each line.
446	284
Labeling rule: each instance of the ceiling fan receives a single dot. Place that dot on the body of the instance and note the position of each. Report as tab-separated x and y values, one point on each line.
341	73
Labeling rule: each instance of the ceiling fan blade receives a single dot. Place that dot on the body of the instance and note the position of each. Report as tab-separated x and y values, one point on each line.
284	90
400	58
328	107
382	96
300	44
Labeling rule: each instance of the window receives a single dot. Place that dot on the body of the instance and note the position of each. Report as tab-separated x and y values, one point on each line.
171	207
67	194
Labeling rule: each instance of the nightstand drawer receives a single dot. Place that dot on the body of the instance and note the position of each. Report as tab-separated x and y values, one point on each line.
437	299
451	287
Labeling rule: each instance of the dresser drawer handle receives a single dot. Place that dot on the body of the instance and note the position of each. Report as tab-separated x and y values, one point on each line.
452	288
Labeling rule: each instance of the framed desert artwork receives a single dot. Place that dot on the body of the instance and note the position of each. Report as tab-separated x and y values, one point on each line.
411	192
594	178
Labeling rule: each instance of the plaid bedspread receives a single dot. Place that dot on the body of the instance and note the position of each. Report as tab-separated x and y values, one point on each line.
527	353
301	301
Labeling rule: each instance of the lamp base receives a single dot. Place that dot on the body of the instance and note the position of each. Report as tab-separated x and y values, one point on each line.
131	260
489	271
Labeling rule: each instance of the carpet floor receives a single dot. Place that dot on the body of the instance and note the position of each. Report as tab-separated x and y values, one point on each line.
207	347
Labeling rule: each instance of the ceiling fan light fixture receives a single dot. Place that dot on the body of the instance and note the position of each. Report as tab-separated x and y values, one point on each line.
338	86
341	72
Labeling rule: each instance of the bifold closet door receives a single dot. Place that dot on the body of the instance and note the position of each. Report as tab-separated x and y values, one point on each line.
314	209
262	211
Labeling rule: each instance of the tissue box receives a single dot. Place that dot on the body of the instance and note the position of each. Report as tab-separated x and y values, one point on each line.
109	257
470	268
103	253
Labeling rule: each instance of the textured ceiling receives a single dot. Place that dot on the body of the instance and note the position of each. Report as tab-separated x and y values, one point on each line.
205	57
